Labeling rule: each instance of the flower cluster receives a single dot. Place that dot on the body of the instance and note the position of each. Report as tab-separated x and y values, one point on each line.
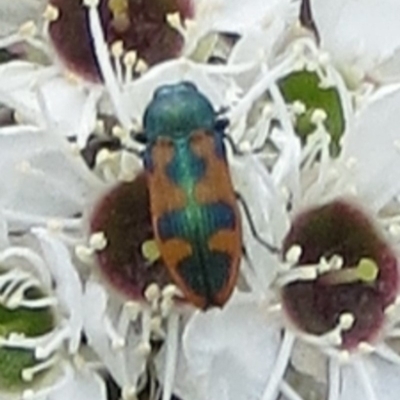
199	200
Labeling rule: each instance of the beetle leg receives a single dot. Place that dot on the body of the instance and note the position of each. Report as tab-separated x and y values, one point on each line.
253	229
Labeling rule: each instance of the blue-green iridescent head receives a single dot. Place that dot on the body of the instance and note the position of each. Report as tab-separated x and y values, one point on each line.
177	110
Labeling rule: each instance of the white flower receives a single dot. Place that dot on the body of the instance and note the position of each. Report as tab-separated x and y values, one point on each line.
41	323
251	347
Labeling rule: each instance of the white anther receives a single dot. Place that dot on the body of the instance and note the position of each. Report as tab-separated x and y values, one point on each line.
174	21
51	13
141	66
129	393
103	156
130	58
85	254
299	107
144	348
152	292
318	116
346	321
119	132
98	241
90	3
293	255
117	48
170	291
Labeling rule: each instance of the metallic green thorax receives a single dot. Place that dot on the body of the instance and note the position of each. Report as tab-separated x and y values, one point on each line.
176	111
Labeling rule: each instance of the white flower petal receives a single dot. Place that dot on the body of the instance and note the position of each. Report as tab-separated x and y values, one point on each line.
238	17
125	364
41	177
83	385
68	286
372	147
233	350
41	95
15	13
360	33
370	378
212	85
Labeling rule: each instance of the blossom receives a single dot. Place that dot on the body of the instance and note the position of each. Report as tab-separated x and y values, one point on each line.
339	254
41	322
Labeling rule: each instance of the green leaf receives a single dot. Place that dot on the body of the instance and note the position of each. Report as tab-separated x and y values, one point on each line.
304	86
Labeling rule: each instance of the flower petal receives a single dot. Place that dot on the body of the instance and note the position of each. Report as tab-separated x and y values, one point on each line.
68	285
84	384
370	378
233	350
41	177
372	148
15	13
125	364
360	33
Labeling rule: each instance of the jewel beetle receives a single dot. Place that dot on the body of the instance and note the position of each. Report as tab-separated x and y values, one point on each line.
193	204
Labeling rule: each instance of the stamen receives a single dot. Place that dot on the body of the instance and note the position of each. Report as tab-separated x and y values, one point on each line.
102	55
29	373
45	349
366	271
281	363
152	293
129	61
85	254
171	355
333	337
144	348
174	21
117	342
98	241
141	66
51	13
365	348
293	254
304	273
129	393
117	50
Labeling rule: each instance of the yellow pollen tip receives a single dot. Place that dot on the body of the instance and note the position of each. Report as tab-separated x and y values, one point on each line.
150	250
367	270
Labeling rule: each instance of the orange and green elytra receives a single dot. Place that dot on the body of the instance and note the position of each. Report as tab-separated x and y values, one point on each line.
195	215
